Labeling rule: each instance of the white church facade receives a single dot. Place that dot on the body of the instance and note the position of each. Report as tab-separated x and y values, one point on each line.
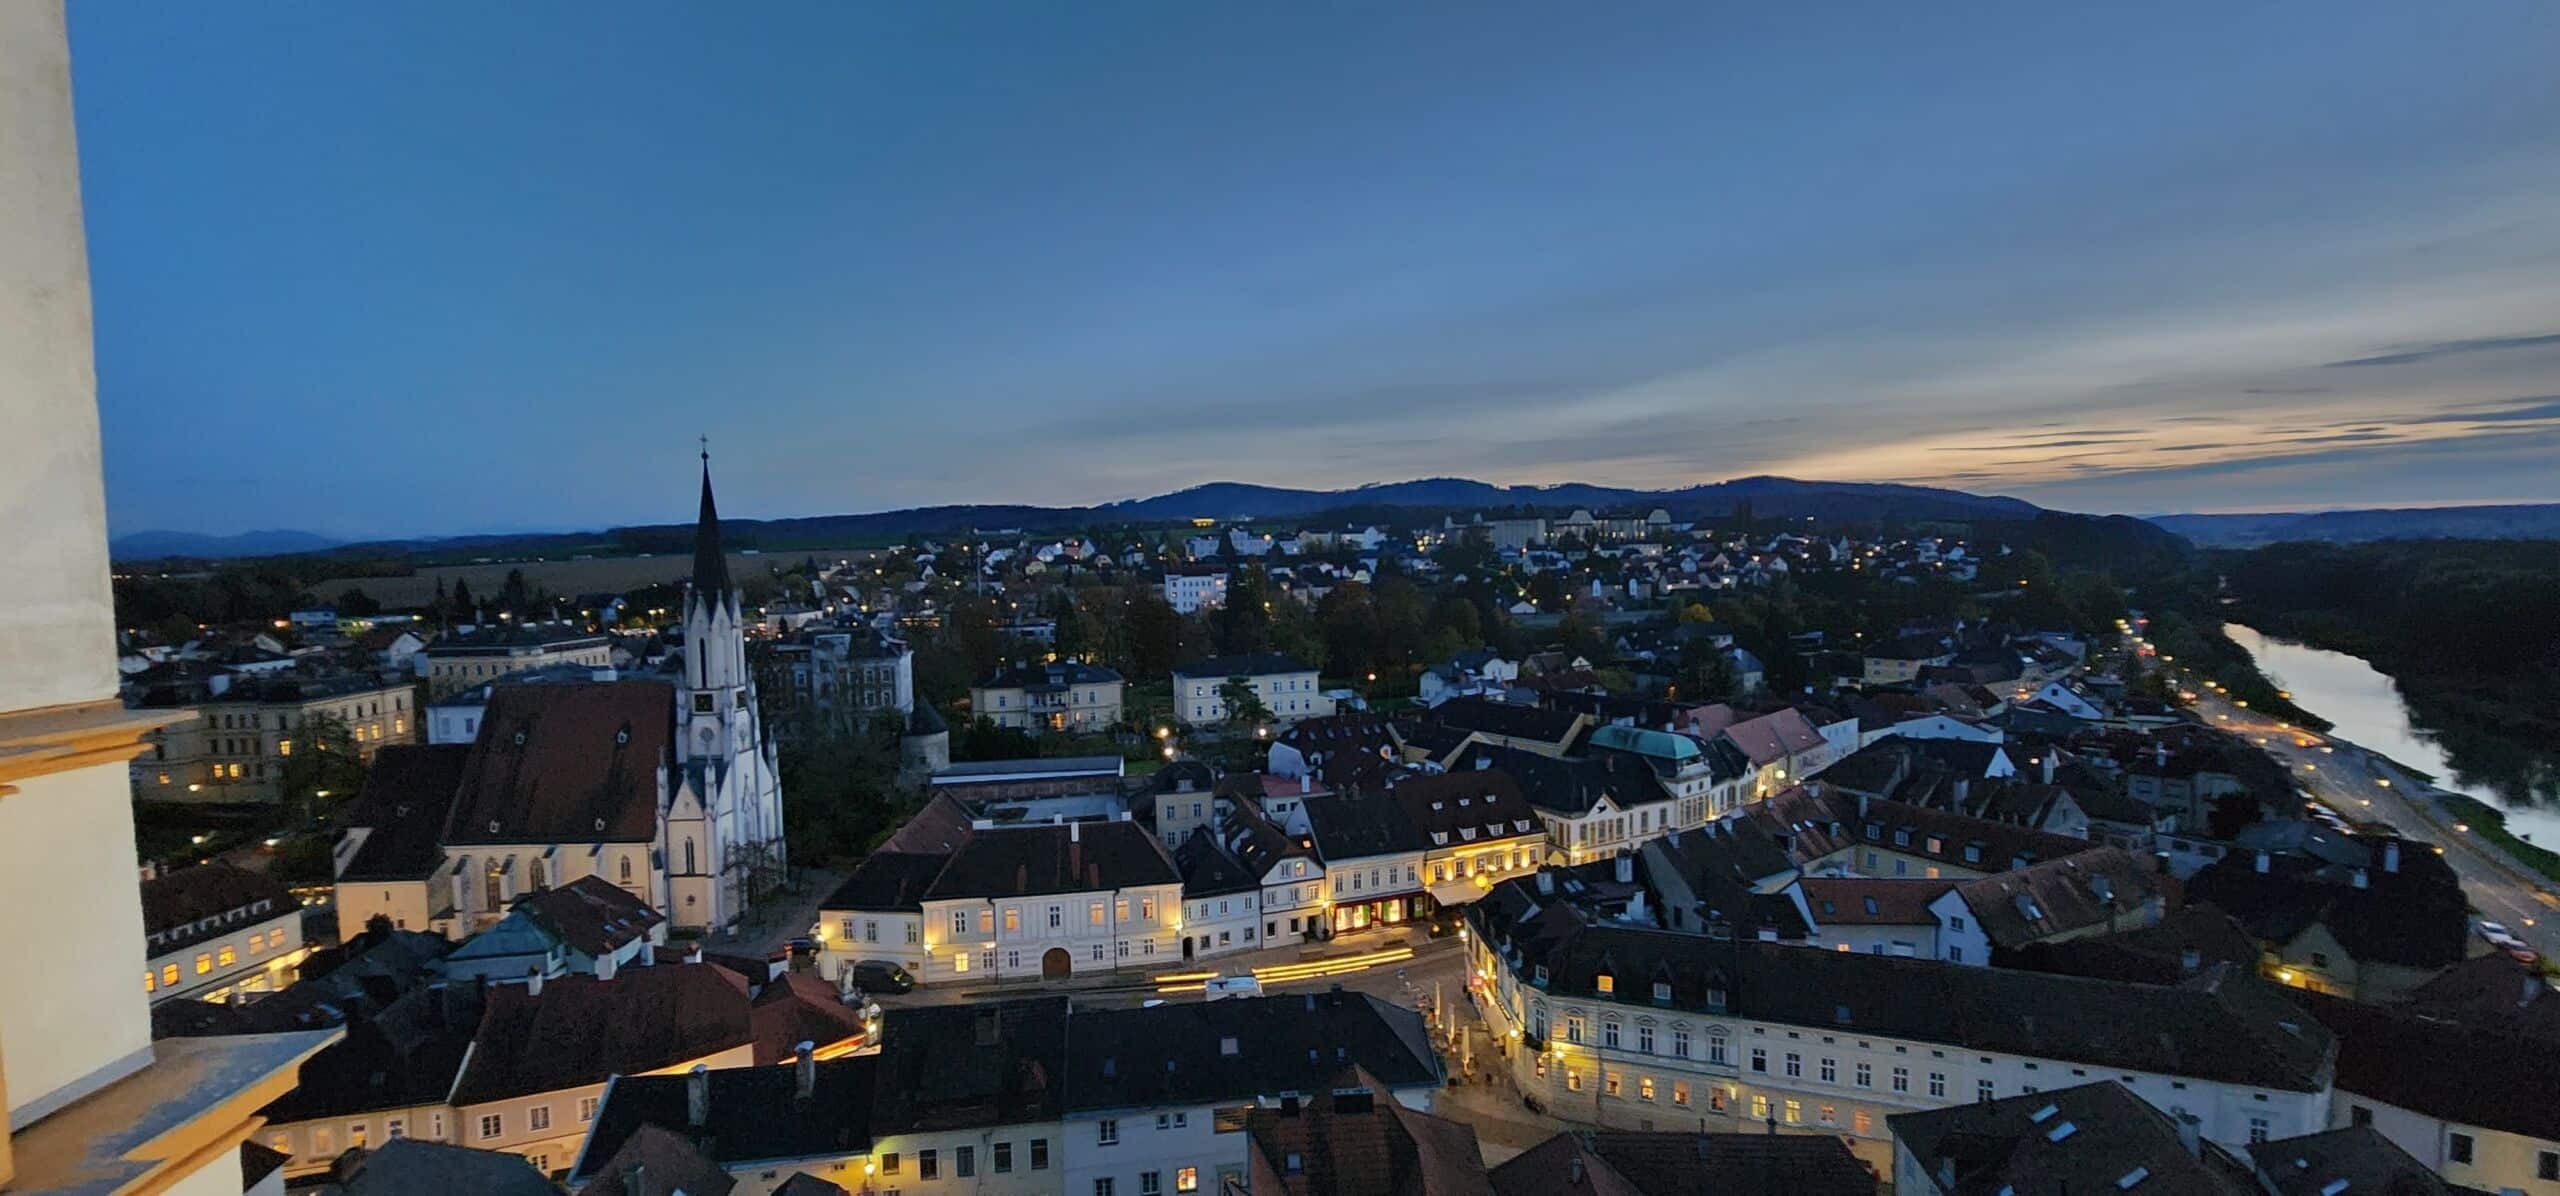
663	787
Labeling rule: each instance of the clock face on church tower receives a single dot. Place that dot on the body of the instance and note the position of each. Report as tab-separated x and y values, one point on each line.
706	735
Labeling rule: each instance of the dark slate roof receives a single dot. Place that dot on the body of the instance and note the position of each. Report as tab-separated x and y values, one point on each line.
665	1162
1468	806
1569	786
957	1066
2089	1138
567	764
1350	1139
888	880
191	904
2152	955
1352	828
1234	1050
2357	1156
406	800
2441	1069
1245	664
415	1167
2414	917
406	1055
755	1114
2099	888
1435	740
579	1029
1621	1163
591	915
1048	678
2222	1025
1511	721
1208	870
802	1183
1027	861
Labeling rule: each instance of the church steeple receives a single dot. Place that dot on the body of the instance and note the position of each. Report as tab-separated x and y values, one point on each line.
710	565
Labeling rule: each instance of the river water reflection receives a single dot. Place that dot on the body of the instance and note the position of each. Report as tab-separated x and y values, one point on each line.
2367	710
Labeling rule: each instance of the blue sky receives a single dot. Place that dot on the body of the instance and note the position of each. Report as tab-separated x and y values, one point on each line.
414	268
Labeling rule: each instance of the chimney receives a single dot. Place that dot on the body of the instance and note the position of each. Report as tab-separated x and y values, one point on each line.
2391	855
2050	763
693	953
635	1178
1573	1170
697	1096
1306	783
2262	861
604	966
648	954
806	1063
1075	832
1626	869
2363	880
2189	960
2191	1134
1546	883
533	983
2160	753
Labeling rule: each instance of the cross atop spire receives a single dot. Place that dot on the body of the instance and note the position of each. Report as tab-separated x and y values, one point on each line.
710	564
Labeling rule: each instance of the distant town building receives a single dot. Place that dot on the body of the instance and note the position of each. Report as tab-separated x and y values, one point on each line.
1286	688
1066	696
1192	588
247	727
462	660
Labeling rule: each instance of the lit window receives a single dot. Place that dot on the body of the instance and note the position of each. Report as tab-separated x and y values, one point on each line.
230	955
204	962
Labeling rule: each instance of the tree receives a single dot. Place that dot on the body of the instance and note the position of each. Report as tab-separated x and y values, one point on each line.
516	595
1154	632
322	770
1245	710
355	603
1706	674
464	609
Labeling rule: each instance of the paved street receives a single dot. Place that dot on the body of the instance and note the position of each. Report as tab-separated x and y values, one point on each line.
2362	786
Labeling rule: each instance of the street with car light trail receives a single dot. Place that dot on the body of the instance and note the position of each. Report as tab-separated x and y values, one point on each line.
2364	787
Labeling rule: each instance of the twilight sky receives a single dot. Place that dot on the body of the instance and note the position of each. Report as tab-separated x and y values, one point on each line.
378	269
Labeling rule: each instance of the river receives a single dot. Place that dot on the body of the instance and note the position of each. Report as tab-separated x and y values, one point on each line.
2366	709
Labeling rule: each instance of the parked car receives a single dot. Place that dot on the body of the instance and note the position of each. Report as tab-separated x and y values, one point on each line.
1230	986
882	976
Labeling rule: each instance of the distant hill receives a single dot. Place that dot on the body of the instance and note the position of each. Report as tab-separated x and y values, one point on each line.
156	544
1769	497
2531	521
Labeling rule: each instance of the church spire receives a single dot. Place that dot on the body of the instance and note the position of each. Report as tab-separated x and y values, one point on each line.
710	565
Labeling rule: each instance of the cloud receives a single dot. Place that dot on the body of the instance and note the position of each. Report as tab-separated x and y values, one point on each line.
2512	411
2431	352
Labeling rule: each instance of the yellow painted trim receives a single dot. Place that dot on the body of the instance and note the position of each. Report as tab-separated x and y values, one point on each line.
52	739
169	1174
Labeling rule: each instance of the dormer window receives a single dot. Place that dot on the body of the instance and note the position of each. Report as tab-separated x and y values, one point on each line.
1661	992
1539	976
1605	983
1715	997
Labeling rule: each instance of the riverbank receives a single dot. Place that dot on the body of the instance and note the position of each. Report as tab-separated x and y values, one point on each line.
2490	823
